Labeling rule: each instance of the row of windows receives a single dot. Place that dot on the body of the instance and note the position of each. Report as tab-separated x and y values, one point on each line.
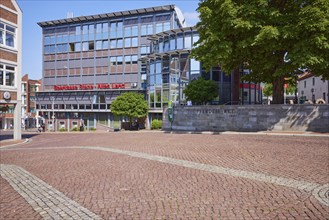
87	62
127	59
7	35
174	65
91	45
94	34
175	42
313	82
61	115
7	75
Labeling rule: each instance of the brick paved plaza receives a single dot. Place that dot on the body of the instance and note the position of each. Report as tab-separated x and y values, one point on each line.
156	175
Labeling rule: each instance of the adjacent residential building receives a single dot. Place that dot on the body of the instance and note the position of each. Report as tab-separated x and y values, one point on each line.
30	115
312	88
10	66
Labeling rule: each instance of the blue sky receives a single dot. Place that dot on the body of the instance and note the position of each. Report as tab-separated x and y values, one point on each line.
35	11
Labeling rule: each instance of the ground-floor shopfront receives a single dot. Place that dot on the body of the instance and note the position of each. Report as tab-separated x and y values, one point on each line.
7	116
77	121
74	110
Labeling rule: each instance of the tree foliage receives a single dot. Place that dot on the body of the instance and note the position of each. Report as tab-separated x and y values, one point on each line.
130	104
268	89
272	38
201	91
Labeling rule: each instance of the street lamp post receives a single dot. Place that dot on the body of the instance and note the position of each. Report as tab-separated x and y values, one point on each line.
53	116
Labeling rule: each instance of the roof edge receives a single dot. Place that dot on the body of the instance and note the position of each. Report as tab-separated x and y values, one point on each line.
107	15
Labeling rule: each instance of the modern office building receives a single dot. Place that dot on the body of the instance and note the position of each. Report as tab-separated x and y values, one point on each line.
30	115
10	66
89	60
170	68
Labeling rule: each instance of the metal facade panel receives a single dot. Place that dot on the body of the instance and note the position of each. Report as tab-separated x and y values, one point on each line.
49	81
101	78
61	81
74	80
88	79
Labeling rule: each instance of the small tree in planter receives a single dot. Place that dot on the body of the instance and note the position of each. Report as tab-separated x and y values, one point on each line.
130	104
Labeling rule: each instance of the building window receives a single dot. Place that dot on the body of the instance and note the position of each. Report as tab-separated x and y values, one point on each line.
128	42
145	49
313	81
131	42
116	29
188	41
113	43
77	46
10	76
113	61
134	59
131	59
85	46
7	35
128	59
158	27
119	60
98	45
7	75
324	96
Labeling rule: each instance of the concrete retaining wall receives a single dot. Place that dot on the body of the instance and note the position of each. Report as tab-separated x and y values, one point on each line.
313	118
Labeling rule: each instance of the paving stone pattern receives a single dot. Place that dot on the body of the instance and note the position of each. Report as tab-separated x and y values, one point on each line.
13	204
44	199
150	175
320	192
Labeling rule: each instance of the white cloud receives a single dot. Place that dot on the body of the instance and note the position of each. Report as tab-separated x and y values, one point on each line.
191	18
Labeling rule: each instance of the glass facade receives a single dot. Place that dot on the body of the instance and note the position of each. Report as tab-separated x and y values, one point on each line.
171	68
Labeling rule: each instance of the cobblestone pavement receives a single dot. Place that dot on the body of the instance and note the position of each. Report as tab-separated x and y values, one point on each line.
44	199
152	175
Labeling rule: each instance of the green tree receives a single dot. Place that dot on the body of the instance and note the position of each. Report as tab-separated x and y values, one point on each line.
271	38
268	89
201	91
130	104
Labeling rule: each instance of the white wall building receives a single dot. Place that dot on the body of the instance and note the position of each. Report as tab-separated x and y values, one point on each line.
313	88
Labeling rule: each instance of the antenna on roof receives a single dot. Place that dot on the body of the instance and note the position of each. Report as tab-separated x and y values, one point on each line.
69	14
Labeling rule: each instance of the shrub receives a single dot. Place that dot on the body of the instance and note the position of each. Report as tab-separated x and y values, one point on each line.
62	129
75	129
92	129
156	124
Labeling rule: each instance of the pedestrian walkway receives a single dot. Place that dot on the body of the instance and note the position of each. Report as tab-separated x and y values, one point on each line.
155	175
320	192
43	198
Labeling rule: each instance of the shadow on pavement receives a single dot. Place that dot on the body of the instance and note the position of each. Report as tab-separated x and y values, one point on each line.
10	136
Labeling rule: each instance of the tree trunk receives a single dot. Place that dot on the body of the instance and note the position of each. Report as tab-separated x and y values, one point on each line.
278	90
